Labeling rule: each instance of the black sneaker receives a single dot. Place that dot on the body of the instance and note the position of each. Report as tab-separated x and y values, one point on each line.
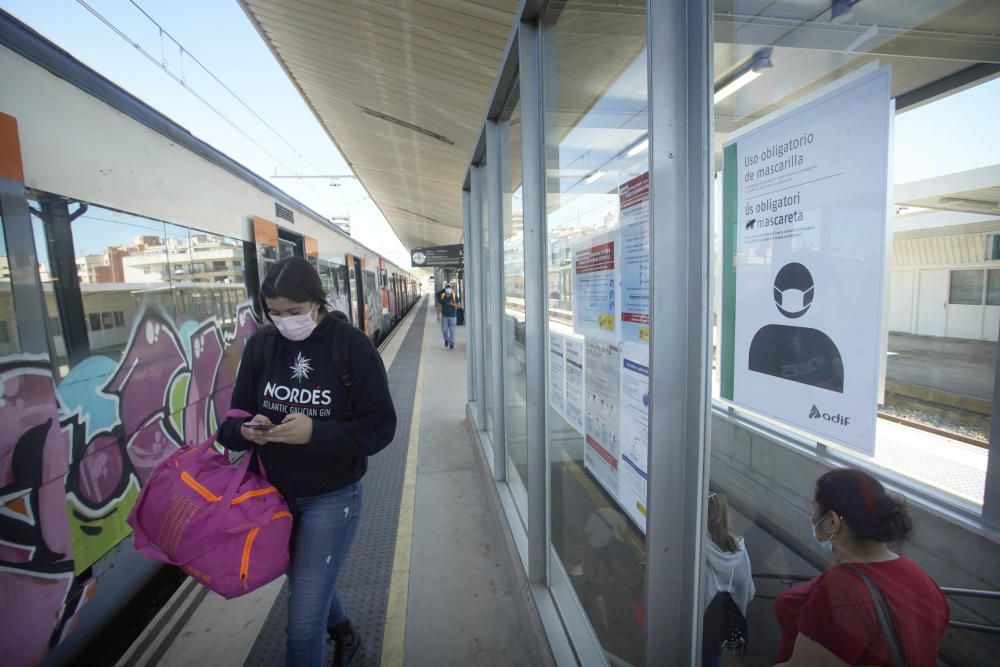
347	644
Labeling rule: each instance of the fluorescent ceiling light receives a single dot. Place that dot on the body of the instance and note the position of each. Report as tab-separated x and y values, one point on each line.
638	148
735	85
596	175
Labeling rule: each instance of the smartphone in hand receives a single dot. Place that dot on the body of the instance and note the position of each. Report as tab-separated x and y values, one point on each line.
257	426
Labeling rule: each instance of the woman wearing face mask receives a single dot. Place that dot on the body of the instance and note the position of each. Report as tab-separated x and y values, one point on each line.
315	423
831	620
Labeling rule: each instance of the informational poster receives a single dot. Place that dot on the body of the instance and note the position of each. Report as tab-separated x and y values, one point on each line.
595	287
557	372
805	204
634	430
601	453
635	268
574	372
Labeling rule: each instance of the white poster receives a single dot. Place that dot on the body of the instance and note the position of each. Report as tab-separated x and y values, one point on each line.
634	430
574	404
635	276
557	372
600	455
804	210
595	287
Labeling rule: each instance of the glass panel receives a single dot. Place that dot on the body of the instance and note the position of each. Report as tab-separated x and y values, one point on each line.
822	113
487	300
992	288
515	373
966	288
596	125
8	324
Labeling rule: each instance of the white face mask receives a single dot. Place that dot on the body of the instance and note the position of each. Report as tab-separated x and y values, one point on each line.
295	327
795	300
447	290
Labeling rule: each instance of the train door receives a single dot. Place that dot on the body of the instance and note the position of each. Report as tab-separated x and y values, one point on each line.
358	292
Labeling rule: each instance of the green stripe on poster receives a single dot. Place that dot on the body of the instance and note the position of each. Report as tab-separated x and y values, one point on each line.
730	195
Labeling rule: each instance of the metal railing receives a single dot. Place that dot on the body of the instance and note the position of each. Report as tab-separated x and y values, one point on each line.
949	591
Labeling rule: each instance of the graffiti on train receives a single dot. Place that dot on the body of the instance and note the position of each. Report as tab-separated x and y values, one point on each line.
74	453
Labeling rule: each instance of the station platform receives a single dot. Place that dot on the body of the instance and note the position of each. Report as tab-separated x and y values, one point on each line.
433	577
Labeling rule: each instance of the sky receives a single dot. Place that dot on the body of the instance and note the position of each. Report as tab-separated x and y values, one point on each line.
220	36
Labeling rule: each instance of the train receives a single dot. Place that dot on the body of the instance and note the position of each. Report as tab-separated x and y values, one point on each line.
131	256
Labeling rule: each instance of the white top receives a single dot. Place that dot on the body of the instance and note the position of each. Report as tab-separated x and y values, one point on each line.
728	572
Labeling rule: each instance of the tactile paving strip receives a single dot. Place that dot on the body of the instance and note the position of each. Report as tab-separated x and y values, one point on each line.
364	581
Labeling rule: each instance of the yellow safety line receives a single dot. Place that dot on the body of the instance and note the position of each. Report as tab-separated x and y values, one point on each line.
394	636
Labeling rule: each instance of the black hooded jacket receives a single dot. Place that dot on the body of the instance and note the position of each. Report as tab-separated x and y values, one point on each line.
278	376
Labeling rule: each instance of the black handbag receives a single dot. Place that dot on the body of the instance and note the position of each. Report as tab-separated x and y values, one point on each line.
885	619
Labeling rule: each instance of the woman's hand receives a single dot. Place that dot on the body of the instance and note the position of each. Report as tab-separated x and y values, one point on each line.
255	435
295	429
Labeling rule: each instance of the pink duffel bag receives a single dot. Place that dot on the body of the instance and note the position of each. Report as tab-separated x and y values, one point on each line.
225	526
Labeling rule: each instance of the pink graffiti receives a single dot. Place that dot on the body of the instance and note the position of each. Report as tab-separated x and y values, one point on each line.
43	458
150	447
34	455
153	358
206	354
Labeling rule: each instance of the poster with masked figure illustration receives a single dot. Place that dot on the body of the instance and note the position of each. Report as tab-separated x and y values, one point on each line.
805	202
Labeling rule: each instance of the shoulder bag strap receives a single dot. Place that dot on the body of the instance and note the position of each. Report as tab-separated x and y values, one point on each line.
884	614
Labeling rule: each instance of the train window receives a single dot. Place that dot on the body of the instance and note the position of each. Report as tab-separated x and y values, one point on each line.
125	267
4	333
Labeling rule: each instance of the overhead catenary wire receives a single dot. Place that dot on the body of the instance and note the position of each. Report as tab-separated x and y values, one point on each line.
160	64
184	50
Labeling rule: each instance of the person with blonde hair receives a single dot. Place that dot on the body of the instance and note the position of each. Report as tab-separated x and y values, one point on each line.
729	585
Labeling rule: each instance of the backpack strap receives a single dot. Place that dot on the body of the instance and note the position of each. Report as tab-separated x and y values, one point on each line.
342	357
885	619
263	352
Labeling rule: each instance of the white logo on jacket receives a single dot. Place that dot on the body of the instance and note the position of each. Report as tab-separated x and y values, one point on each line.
301	368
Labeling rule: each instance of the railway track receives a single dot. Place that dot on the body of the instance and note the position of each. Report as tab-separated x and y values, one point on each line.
932	429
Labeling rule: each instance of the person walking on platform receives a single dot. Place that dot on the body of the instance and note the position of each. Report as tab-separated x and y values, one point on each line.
874	607
448	305
320	398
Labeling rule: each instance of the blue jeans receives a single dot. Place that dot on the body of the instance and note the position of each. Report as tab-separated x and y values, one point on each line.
325	527
448	325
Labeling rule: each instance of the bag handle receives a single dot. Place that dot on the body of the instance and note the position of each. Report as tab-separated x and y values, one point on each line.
884	613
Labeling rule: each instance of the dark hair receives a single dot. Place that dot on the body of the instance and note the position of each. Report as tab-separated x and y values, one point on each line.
871	513
720	528
295	279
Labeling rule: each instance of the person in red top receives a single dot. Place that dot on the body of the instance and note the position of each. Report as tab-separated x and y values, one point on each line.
831	620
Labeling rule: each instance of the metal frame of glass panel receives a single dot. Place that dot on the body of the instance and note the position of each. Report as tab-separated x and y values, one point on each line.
26	286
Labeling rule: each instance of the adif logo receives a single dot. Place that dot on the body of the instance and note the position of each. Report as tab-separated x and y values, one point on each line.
301	368
816	413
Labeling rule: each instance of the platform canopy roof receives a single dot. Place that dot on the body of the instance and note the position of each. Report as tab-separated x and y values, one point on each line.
401	86
972	191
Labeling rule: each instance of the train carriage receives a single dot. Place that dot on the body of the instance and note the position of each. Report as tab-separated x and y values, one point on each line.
131	255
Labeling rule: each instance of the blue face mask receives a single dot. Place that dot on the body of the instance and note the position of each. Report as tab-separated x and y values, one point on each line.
825	545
